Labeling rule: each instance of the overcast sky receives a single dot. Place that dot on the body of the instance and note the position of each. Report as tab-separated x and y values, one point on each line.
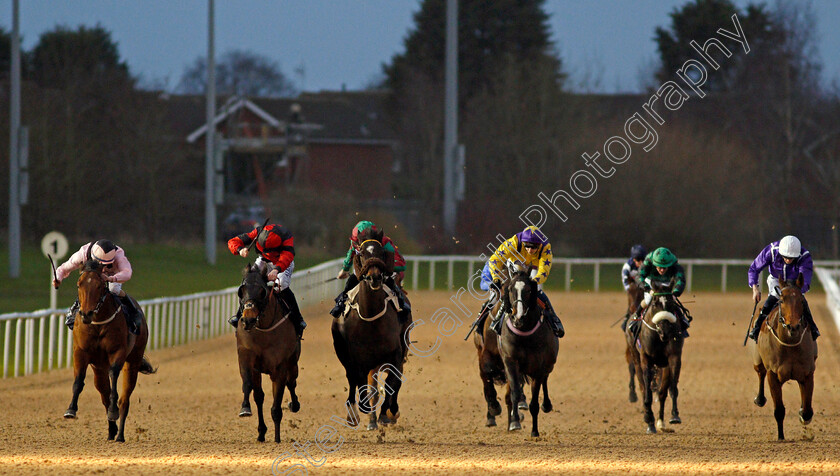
343	43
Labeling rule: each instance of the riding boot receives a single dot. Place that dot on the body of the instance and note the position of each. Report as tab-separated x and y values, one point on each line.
769	304
402	302
341	299
234	320
634	323
71	315
339	304
810	319
132	315
624	322
288	297
496	322
553	320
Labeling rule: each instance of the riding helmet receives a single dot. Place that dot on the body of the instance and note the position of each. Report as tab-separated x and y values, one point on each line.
663	258
638	252
790	247
104	251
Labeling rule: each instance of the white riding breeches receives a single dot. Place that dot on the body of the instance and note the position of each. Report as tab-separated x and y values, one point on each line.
115	288
772	284
284	279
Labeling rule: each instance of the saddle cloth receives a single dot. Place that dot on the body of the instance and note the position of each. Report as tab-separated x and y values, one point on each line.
353	299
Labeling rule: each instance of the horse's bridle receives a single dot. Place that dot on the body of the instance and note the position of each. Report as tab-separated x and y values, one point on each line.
785	325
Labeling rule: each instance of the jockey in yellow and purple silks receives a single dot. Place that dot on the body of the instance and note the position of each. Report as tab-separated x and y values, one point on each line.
531	248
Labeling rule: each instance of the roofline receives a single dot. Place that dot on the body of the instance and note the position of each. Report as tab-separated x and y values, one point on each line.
228	109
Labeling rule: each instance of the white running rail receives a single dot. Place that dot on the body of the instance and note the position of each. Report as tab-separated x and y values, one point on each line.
830	280
38	341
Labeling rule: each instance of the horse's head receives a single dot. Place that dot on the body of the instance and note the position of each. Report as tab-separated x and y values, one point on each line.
790	305
521	292
92	290
635	294
663	312
253	295
372	259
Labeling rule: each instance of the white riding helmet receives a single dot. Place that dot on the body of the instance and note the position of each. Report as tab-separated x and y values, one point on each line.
104	251
790	247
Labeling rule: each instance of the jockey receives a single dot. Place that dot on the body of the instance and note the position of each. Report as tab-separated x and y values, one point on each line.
116	270
630	270
276	247
531	248
393	278
661	266
630	273
786	259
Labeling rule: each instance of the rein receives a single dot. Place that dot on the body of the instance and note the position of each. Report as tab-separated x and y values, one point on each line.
773	333
522	333
262	313
99	323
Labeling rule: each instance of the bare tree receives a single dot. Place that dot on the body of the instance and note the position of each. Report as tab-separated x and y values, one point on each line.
239	72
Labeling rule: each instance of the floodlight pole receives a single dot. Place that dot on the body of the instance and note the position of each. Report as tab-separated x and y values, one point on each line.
14	147
450	134
209	160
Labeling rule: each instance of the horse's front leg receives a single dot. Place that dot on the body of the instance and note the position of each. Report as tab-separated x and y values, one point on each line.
129	382
514	382
648	370
534	407
391	409
485	371
103	385
675	363
114	376
278	386
778	403
259	397
760	399
245	373
80	365
631	369
806	391
665	379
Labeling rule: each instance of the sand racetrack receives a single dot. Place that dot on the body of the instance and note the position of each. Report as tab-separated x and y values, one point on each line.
184	420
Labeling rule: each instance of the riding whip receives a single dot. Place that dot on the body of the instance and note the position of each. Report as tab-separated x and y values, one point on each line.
259	230
749	328
55	276
619	320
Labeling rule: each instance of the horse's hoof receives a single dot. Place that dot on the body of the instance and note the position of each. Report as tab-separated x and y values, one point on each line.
384	420
245	412
514	425
490	422
70	414
675	420
802	417
261	438
494	408
633	398
392	416
522	405
535	433
547	407
651	430
760	400
294	406
120	439
372	426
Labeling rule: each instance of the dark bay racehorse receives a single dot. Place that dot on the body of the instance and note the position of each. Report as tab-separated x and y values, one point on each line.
635	294
786	351
101	340
369	340
267	344
659	346
528	349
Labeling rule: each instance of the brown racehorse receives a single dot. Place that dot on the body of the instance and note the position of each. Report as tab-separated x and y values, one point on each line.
528	348
659	349
635	294
370	339
266	343
786	351
101	340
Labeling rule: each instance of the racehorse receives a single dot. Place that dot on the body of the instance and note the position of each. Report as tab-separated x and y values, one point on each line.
101	340
659	345
786	351
266	343
528	349
369	339
635	294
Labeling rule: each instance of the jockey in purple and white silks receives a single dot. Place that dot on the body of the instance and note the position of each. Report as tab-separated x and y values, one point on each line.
785	260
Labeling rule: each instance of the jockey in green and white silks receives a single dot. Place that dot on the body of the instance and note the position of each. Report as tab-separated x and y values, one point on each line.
661	267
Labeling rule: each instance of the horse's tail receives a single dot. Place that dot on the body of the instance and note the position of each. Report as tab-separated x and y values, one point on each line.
146	367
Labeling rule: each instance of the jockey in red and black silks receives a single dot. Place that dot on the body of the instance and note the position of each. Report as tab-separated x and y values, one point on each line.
276	247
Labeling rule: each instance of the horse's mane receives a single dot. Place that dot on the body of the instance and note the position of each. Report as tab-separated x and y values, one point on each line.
91	265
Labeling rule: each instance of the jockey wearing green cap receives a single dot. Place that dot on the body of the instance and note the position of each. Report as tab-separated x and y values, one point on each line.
661	266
